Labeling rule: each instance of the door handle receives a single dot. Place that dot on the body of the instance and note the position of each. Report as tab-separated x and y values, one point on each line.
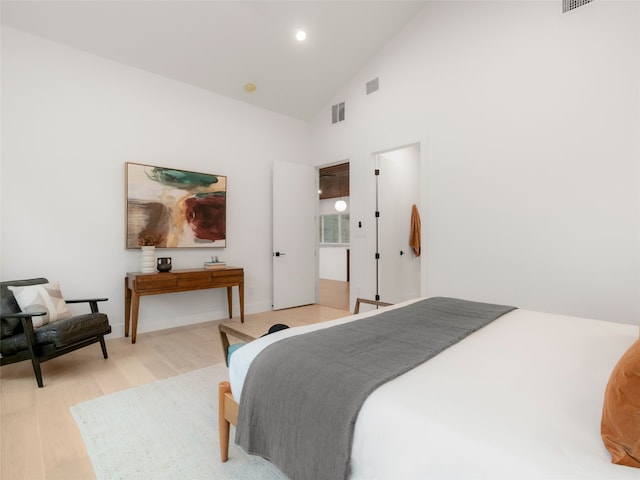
401	252
278	254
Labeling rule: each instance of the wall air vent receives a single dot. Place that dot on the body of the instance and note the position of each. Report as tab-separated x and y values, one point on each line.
568	5
372	85
337	112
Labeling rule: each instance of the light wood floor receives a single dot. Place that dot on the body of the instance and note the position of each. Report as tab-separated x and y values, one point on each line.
334	293
39	438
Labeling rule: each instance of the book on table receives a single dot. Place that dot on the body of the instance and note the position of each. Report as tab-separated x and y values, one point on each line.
214	265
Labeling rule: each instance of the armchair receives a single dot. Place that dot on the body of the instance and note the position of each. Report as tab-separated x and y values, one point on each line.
20	340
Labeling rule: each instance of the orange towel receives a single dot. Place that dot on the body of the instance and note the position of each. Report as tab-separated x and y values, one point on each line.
414	236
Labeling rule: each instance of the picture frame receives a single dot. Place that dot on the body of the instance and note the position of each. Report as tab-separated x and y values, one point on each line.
174	208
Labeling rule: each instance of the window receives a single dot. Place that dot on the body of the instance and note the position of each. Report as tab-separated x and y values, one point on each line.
334	229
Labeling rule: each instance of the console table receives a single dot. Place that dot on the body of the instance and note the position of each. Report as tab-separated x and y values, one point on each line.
138	284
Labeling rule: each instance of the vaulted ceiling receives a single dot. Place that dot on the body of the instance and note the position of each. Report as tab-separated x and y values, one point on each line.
223	45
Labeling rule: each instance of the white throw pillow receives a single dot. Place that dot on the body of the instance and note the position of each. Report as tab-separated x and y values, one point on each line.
45	297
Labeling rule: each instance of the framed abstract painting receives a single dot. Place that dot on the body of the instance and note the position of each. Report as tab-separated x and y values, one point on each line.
172	208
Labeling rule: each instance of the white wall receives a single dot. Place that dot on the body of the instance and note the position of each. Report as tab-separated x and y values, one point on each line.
528	123
71	120
333	263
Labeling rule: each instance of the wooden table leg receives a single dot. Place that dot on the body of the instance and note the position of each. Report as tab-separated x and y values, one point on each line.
230	302
127	307
241	292
135	305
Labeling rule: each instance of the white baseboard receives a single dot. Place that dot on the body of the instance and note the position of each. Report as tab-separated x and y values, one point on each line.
117	329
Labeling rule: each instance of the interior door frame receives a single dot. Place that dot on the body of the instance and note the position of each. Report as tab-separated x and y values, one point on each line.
294	242
349	269
386	253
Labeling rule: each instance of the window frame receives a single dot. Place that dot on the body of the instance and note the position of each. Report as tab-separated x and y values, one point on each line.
343	220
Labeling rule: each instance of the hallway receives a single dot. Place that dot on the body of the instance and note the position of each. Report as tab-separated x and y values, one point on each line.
334	293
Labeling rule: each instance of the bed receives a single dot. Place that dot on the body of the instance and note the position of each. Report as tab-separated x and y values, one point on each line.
520	398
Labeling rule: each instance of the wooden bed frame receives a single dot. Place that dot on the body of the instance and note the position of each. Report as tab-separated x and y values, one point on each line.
228	407
227	416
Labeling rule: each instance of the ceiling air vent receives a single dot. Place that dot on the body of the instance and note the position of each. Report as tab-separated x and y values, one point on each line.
337	112
372	85
568	5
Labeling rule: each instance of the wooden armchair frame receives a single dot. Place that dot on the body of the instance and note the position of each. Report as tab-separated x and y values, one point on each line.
38	353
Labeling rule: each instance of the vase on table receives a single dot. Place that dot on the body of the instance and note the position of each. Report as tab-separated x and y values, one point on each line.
164	264
148	259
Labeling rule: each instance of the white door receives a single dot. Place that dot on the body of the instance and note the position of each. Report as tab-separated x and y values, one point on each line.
295	204
398	190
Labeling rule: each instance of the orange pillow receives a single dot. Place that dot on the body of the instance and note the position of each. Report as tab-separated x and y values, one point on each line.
620	425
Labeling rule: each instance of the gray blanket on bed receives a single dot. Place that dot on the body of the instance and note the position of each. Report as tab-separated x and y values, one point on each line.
302	395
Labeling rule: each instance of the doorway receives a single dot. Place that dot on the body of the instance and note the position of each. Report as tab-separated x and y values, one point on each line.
333	236
397	191
294	254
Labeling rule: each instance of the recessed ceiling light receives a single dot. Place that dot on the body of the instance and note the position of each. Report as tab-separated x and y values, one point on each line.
250	87
301	35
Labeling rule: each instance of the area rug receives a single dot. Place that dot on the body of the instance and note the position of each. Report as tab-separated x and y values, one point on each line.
165	430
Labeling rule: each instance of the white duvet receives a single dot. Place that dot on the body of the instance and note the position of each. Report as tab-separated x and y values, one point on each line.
519	399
